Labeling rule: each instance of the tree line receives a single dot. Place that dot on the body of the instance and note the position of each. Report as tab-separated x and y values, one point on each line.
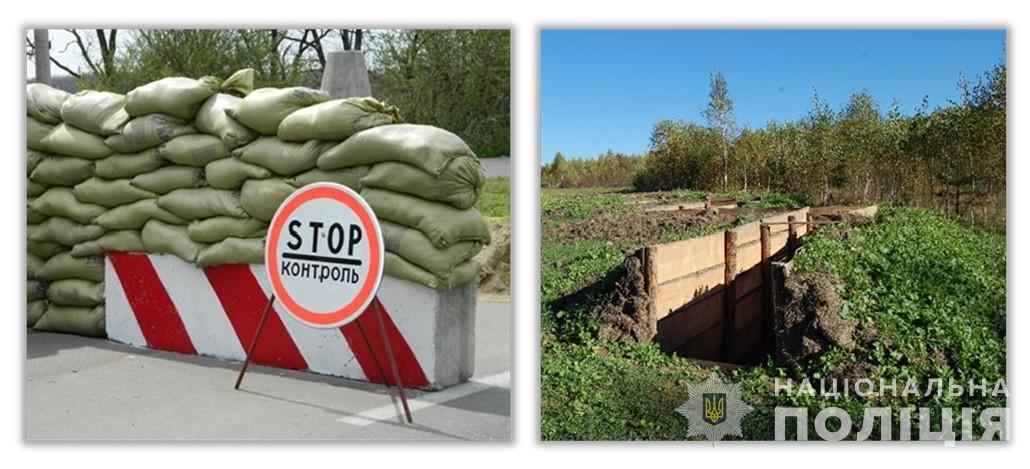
950	158
455	79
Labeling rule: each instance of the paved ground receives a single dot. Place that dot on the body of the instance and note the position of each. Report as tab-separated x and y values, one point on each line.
81	388
497	167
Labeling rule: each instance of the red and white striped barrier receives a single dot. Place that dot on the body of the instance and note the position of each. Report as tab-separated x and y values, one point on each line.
161	302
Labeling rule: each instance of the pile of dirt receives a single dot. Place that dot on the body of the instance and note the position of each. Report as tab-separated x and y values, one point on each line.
494	280
633	230
809	321
626	314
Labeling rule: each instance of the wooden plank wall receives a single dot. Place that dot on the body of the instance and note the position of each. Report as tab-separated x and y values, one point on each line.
687	280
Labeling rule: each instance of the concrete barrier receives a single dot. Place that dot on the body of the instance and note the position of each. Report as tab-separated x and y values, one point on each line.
161	302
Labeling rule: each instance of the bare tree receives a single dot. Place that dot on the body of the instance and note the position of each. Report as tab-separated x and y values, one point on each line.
719	115
87	45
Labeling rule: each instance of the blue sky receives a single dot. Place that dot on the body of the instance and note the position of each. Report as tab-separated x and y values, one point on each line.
603	89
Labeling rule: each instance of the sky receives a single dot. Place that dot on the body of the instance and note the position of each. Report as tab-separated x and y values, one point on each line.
604	89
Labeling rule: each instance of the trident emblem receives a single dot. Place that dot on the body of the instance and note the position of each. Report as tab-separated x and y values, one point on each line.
715	408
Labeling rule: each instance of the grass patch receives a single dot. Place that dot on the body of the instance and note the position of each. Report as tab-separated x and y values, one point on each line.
495	198
934	288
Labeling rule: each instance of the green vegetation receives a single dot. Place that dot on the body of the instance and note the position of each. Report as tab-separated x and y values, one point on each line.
581	205
607	170
495	198
934	289
950	159
456	79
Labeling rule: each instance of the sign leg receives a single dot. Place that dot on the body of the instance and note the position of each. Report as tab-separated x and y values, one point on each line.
389	356
253	342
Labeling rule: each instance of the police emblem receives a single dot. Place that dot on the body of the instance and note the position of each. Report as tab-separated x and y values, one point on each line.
714	409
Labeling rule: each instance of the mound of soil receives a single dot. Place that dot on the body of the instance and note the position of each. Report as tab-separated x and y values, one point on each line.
494	280
632	230
626	314
809	321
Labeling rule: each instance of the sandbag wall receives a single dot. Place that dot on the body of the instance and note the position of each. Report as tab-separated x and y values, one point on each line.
197	168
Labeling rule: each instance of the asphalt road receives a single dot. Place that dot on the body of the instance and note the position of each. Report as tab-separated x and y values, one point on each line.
81	388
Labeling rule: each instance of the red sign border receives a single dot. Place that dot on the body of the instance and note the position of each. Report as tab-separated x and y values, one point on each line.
353	309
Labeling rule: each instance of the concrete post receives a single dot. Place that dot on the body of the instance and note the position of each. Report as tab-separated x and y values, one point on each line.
346	75
41	38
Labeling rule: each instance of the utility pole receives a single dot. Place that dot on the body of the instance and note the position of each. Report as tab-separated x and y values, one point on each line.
42	42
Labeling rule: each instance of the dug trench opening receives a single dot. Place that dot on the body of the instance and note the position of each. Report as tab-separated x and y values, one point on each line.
728	298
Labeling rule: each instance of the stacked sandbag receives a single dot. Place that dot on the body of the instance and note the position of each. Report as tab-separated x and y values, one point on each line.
196	168
65	140
422	183
280	134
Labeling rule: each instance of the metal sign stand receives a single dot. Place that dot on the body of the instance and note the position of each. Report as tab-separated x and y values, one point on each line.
377	309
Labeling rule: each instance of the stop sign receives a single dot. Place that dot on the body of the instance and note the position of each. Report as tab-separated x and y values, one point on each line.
324	254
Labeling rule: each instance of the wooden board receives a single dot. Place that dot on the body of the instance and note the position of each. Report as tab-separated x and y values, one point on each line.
674	260
706	346
672	295
677	329
749	311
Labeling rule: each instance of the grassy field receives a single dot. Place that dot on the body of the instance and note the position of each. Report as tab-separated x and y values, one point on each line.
495	198
932	290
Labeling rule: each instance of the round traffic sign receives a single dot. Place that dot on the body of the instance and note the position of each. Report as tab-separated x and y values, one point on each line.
324	254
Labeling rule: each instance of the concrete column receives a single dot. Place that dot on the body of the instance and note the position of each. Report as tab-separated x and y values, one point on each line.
41	37
346	75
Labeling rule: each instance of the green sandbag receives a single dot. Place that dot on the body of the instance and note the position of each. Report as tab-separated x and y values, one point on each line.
261	197
44	102
66	232
240	83
212	120
265	108
35	290
284	158
442	224
231	173
75	292
204	202
170	178
160	237
32	216
427	147
128	165
44	249
33	264
414	247
32	159
457	185
62	171
69	141
65	265
35	189
135	215
87	249
194	150
98	112
61	202
349	177
395	266
213	230
114	241
148	131
34	311
73	320
336	119
233	251
175	96
36	131
109	192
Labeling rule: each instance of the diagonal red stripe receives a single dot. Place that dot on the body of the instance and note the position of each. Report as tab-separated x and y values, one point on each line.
244	300
371	354
155	312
